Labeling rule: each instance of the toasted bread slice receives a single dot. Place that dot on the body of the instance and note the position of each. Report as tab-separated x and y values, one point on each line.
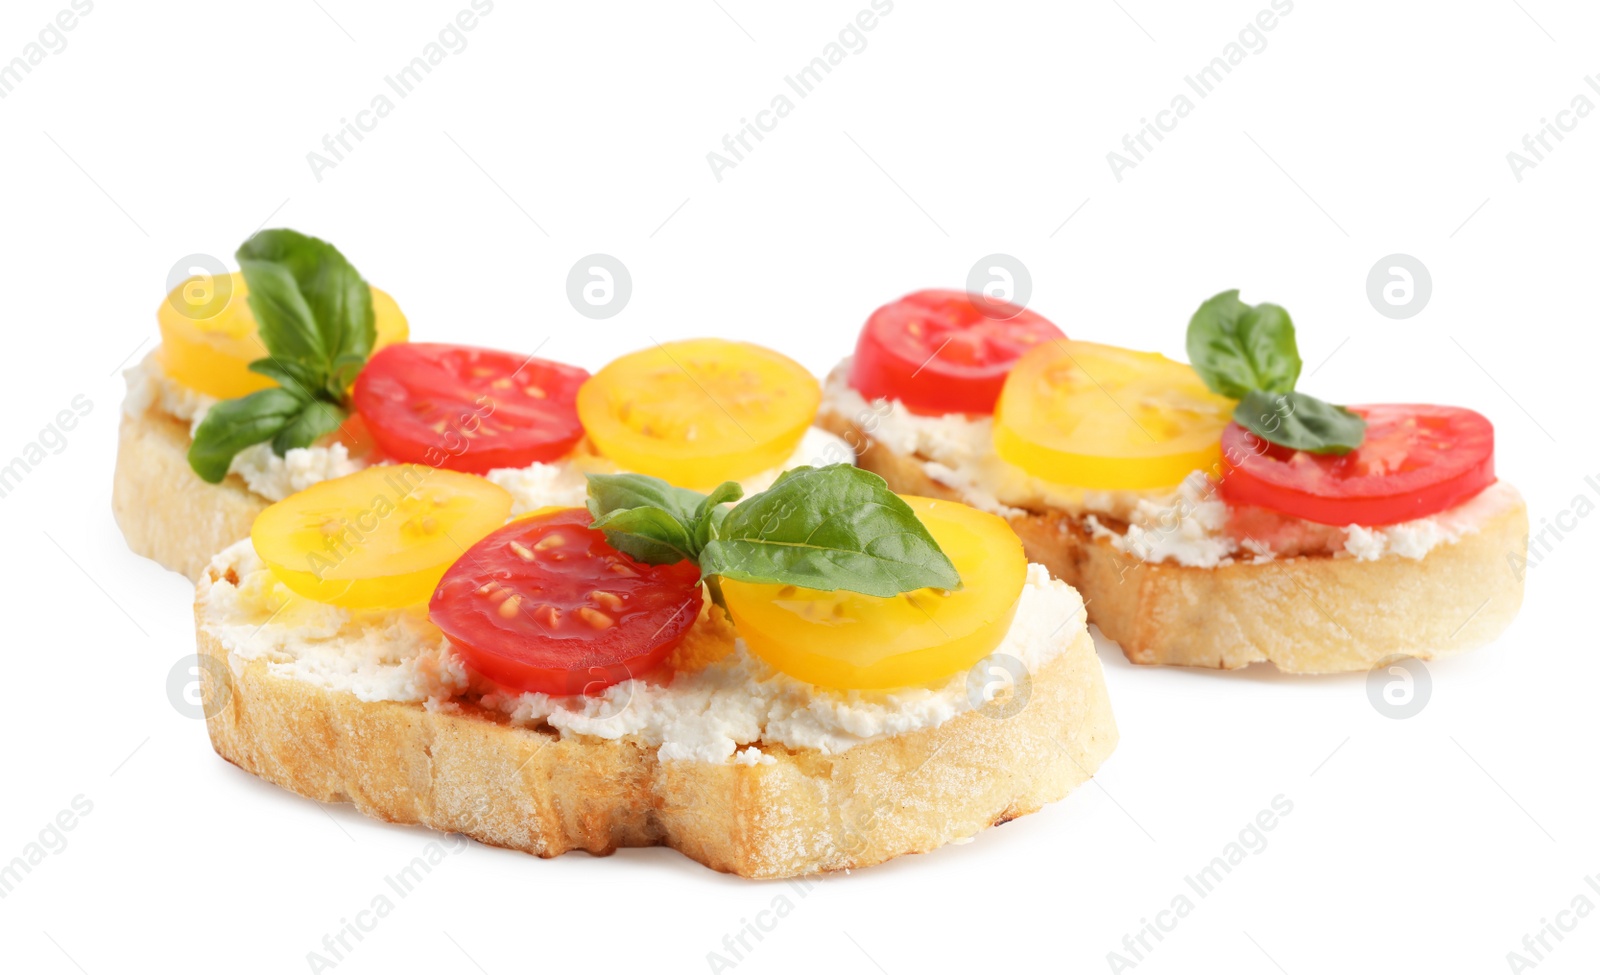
163	508
464	768
1305	614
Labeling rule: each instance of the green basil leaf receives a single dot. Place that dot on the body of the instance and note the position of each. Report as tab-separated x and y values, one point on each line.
828	528
314	315
711	513
710	527
343	375
339	300
317	418
291	374
1237	348
1300	422
615	492
284	319
235	424
649	534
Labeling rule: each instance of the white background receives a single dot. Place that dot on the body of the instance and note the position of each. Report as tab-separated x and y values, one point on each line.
1362	129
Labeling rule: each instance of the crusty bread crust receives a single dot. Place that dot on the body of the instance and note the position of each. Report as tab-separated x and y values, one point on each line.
468	770
165	511
1307	614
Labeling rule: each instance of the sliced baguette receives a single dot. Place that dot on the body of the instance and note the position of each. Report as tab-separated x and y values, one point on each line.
1306	615
163	508
468	770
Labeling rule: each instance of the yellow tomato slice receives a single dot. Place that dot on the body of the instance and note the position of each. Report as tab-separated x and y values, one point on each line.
1100	417
208	335
700	412
847	640
379	538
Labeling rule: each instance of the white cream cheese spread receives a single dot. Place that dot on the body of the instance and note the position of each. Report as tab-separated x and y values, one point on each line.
721	705
1185	526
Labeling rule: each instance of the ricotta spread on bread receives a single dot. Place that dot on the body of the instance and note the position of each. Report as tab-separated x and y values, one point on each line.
275	478
1186	526
721	703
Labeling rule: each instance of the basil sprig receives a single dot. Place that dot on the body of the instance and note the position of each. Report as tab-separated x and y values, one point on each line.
827	528
314	315
1248	353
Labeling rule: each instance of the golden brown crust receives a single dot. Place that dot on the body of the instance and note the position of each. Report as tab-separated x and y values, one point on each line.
1307	615
165	511
469	771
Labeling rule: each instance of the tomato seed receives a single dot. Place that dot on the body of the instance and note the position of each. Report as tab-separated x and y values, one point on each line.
595	618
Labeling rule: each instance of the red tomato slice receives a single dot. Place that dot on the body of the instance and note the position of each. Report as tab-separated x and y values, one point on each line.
1417	460
468	409
546	604
941	352
355	436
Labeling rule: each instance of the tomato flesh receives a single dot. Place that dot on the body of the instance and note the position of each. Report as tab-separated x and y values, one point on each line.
849	640
699	412
1417	460
941	352
469	409
546	605
379	538
1106	418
